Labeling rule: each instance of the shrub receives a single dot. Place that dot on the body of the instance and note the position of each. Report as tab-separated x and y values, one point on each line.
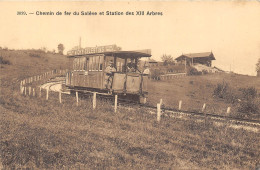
249	103
248	93
249	106
225	92
231	96
34	55
205	72
156	73
3	61
193	71
220	90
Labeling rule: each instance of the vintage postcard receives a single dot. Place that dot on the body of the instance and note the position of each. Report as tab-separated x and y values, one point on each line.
129	85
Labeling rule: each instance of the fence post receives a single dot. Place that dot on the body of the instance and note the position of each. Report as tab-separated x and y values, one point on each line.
160	101
115	103
145	100
228	110
47	94
21	88
203	107
94	100
29	91
25	91
158	112
77	98
60	97
205	116
180	103
40	93
33	92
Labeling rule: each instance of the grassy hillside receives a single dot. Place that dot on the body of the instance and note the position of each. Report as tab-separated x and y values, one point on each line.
45	134
24	63
40	134
194	91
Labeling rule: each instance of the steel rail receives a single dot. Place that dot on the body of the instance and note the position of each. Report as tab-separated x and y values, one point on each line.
172	111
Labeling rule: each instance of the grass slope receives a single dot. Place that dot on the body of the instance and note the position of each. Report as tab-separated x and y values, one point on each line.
194	91
41	134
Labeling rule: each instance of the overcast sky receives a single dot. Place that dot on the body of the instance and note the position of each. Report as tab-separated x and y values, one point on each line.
231	30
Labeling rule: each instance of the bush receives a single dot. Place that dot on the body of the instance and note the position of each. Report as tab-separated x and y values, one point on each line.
248	93
205	72
193	71
156	73
225	92
249	106
249	102
3	61
221	90
34	55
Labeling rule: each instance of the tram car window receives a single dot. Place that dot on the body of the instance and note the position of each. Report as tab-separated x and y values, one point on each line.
126	80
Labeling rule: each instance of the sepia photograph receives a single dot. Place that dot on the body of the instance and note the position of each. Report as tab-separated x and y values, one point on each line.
130	85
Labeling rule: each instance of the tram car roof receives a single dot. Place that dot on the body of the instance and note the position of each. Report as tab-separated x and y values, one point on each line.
120	54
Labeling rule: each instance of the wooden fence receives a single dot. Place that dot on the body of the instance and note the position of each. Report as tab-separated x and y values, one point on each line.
27	89
27	82
160	105
172	76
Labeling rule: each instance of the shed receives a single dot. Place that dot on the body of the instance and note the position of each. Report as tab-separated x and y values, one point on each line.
204	58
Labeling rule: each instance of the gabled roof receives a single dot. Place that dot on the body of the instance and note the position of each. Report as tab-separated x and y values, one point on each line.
198	55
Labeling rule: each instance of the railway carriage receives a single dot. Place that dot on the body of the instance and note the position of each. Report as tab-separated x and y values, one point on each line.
88	74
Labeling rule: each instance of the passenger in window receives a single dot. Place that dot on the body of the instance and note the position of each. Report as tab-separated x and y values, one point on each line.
146	70
130	67
108	74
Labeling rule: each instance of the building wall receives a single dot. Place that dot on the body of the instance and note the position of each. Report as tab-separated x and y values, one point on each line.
204	61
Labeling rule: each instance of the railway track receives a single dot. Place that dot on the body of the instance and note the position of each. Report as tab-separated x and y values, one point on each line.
168	112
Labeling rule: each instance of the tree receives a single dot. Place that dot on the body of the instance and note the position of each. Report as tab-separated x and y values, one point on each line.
61	48
167	59
258	67
44	49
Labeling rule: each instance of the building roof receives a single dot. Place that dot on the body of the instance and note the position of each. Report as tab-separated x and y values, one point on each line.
121	54
198	55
